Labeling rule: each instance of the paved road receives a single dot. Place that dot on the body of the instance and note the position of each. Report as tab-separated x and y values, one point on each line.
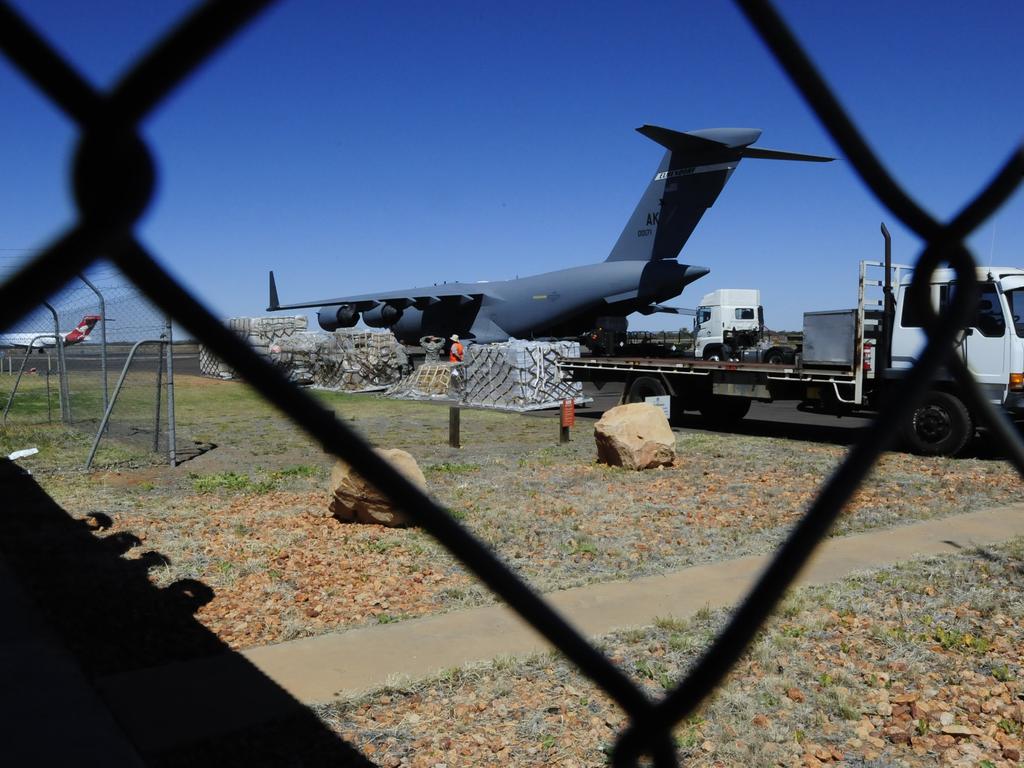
779	419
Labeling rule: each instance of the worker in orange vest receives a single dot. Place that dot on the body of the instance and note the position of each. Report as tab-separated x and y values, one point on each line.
456	352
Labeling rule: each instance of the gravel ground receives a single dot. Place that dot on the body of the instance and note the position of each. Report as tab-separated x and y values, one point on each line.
918	665
248	519
553	515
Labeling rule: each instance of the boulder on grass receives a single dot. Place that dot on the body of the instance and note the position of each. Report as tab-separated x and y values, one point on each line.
354	500
635	436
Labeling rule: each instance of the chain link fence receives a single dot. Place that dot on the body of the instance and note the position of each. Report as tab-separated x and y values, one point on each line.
113	181
64	361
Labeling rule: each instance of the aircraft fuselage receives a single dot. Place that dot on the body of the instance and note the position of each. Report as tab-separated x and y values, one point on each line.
560	303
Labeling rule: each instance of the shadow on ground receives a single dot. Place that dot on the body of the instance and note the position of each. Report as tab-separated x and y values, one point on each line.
113	620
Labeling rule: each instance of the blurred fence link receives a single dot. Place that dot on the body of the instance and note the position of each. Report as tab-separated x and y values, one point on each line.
113	182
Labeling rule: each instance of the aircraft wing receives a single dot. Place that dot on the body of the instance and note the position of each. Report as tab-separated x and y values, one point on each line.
421	298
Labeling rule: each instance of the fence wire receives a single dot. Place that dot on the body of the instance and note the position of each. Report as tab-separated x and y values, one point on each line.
112	315
113	182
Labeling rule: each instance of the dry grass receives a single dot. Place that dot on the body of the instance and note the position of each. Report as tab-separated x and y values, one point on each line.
247	519
868	671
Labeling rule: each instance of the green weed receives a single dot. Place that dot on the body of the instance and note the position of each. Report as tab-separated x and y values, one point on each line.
1002	673
300	470
448	467
1009	726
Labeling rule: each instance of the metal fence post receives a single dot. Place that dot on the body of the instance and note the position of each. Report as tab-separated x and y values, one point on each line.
21	372
62	378
103	337
49	405
171	434
159	392
113	399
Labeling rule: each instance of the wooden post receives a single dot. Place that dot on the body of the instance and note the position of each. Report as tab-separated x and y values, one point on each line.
454	439
568	419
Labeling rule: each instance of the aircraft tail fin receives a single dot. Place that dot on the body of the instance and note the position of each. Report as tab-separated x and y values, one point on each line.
82	330
275	303
692	173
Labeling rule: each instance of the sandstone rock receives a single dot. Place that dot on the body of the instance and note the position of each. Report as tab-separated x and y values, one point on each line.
956	729
355	500
635	436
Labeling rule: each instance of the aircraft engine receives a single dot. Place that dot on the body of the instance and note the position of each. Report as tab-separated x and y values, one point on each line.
410	327
382	316
333	318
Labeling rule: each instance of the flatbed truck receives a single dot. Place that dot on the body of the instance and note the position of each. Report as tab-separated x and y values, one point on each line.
850	360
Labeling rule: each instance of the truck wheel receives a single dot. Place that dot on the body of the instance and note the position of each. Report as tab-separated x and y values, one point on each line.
941	426
712	352
724	410
774	357
643	387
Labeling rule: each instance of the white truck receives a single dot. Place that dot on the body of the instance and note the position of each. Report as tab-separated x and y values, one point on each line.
729	325
851	359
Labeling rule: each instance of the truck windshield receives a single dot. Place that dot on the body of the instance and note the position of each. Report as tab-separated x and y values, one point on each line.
988	317
1015	299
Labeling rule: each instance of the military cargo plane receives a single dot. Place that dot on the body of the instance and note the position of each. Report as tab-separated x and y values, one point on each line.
641	271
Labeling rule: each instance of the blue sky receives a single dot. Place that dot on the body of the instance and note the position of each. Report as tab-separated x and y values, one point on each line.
358	146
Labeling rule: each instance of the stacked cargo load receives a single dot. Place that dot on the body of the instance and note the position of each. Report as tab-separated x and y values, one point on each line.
347	360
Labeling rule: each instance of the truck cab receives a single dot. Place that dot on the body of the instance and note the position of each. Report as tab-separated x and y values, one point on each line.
991	346
727	320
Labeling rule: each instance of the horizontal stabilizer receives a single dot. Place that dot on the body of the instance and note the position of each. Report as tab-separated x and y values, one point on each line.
774	154
697	142
667	310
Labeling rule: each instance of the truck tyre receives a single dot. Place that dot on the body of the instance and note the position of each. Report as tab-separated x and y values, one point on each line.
643	387
941	426
712	352
774	357
724	410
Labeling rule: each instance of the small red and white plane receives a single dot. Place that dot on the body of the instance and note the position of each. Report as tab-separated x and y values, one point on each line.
41	341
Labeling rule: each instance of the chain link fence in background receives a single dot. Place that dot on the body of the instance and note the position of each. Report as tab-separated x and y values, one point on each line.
113	181
63	362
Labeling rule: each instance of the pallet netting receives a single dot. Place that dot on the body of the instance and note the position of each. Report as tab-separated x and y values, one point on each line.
518	375
345	360
260	332
430	381
355	361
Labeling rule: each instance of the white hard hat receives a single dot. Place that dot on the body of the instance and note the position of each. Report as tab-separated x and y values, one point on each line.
454	337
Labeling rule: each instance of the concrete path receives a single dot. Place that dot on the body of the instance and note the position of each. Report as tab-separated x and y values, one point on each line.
319	669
